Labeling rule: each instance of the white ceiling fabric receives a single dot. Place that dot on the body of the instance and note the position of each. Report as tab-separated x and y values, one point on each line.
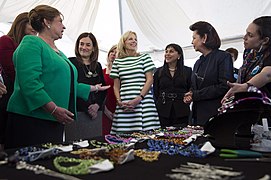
157	23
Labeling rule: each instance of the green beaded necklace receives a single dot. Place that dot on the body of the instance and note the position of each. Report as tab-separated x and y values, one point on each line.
82	168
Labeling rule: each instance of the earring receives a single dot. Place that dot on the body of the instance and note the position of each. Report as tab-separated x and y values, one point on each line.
49	26
260	48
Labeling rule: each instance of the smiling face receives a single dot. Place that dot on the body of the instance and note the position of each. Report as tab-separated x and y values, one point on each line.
171	55
252	38
85	47
131	42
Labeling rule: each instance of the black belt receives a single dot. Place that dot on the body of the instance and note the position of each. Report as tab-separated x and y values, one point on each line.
170	96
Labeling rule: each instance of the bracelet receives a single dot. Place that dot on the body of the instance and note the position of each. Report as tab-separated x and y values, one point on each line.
142	97
54	110
97	88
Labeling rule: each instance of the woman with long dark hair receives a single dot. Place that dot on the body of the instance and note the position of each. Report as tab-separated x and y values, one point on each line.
171	82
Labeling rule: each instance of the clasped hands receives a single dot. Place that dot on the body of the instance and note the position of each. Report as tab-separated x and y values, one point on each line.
129	105
187	98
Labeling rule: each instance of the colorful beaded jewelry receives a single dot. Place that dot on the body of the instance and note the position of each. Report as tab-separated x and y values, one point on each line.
83	166
30	154
88	153
99	144
38	169
173	149
148	156
116	140
116	155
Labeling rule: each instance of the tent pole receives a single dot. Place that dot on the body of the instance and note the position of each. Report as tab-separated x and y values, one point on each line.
120	15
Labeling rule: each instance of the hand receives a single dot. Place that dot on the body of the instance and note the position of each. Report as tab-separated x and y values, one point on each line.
102	88
108	113
125	105
188	97
234	88
133	103
3	89
63	116
93	109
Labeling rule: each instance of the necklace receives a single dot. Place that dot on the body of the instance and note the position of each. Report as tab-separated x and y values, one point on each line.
89	74
172	69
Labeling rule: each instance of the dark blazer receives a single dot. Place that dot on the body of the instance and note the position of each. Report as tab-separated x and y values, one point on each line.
209	84
99	97
180	83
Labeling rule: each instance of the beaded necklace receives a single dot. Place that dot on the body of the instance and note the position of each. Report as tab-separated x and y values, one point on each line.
99	144
80	169
30	154
148	156
116	140
38	169
173	149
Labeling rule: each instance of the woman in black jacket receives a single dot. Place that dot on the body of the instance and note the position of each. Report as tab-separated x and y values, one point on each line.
171	82
210	73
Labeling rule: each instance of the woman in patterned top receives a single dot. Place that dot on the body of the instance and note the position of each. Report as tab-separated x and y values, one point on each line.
133	76
257	58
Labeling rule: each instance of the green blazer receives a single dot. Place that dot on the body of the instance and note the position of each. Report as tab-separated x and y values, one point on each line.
42	75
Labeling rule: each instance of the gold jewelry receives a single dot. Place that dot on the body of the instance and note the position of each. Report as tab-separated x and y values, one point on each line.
148	156
172	69
89	74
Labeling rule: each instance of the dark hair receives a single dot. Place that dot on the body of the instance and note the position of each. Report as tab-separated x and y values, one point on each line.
264	27
180	61
233	51
17	30
177	48
264	30
94	55
213	41
41	12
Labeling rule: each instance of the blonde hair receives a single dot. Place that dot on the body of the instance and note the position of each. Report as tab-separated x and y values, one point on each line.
121	49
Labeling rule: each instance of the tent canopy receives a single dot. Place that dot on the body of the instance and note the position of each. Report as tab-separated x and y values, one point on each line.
157	23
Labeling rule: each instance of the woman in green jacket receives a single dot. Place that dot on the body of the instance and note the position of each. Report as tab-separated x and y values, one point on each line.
46	87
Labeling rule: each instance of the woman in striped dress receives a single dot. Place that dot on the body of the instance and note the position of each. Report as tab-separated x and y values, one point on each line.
133	77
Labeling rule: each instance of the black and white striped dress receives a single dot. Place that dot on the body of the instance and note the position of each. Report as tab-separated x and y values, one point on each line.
131	72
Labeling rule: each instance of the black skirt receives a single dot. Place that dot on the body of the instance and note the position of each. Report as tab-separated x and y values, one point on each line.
27	131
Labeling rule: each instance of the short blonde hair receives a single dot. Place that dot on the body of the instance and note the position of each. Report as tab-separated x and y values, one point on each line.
121	49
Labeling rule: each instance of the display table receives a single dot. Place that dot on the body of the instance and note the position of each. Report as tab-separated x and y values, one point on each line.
139	169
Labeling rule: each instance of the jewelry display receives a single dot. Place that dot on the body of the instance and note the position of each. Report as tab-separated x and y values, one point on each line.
204	172
148	156
82	167
37	169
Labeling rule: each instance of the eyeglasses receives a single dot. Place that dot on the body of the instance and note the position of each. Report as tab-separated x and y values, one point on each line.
199	77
